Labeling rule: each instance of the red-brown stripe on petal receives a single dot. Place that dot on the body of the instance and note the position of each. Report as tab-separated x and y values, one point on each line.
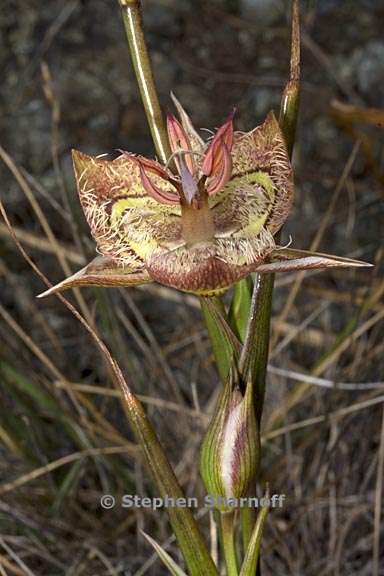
225	172
179	140
214	155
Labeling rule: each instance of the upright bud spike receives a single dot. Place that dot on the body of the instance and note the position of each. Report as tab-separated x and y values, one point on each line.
230	451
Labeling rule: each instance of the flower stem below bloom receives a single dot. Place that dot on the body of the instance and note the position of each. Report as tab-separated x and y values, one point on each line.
228	542
144	76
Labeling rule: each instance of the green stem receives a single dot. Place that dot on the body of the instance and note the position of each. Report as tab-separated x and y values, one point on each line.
254	355
262	297
289	108
131	10
248	519
183	523
228	542
239	310
212	308
251	564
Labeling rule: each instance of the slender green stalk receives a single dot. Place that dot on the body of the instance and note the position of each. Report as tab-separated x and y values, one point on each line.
220	334
131	10
239	310
251	560
254	355
262	299
289	108
248	519
183	524
256	348
227	521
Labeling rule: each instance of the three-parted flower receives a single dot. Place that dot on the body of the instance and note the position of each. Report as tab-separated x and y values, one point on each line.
199	224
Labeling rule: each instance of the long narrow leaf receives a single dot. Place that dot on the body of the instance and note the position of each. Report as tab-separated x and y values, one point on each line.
67	485
174	568
255	352
253	551
289	109
183	523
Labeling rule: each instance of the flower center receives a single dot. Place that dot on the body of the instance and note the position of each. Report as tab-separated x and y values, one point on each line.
197	221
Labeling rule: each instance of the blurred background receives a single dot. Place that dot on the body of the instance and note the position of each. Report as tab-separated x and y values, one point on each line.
67	83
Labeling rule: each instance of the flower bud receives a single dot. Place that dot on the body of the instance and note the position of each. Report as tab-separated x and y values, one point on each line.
230	450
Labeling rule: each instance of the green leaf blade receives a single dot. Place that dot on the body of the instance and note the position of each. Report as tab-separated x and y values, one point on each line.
169	562
249	566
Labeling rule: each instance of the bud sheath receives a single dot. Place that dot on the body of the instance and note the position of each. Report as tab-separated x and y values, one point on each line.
230	451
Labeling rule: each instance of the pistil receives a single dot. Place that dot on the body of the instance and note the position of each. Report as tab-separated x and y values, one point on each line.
197	221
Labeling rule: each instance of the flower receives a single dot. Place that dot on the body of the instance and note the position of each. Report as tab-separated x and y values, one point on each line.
202	222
